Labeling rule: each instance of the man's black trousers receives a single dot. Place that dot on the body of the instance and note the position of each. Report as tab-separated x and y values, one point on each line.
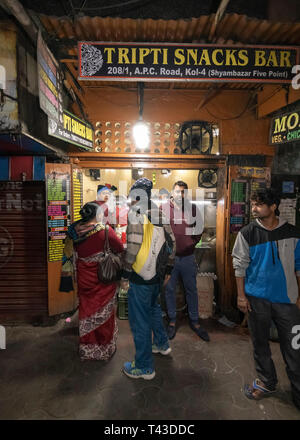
287	320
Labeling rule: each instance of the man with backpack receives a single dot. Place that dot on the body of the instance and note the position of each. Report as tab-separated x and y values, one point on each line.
149	253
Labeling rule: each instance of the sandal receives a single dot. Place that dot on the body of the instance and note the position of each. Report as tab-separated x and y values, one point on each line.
257	390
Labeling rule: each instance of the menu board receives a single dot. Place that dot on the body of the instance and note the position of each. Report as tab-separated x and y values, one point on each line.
241	191
59	218
77	193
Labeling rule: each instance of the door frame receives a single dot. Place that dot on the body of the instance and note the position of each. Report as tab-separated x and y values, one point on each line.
194	162
170	161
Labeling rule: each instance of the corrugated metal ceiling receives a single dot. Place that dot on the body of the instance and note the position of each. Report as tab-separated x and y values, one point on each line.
232	29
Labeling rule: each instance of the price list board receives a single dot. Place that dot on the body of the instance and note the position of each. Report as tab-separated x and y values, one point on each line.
59	218
77	182
239	209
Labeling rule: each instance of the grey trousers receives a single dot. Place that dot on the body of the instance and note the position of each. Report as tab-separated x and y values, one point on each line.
286	317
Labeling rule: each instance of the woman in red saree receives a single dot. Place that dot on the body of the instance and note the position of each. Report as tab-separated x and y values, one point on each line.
97	323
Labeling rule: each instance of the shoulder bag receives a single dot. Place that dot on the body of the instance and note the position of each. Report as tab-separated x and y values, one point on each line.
110	264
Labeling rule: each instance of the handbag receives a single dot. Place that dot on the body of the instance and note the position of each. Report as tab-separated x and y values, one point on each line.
110	264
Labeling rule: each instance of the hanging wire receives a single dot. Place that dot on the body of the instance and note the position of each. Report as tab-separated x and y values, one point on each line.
82	6
116	5
72	13
247	107
141	99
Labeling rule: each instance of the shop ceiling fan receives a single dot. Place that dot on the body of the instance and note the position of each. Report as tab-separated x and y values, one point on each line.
207	178
196	137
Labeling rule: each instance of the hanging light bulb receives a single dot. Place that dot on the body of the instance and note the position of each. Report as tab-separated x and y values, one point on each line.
215	131
140	130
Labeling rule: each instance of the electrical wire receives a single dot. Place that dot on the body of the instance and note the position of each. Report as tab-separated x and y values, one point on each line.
10	97
247	107
141	99
82	6
72	13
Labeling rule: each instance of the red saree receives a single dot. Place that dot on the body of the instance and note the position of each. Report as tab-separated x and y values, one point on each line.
97	324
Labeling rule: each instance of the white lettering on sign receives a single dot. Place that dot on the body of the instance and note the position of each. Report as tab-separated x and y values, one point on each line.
2	338
2	77
296	79
296	339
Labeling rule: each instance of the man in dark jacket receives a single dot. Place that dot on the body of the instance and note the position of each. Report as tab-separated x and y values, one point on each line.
187	226
266	259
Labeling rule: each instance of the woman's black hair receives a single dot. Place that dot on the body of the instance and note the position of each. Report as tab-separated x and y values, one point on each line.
267	196
88	211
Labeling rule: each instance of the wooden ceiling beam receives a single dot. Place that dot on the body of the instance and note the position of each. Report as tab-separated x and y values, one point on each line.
69	82
72	60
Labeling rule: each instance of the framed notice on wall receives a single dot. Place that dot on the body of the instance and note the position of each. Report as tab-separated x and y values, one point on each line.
59	216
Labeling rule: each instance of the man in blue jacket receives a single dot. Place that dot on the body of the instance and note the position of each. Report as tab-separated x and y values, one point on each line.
266	259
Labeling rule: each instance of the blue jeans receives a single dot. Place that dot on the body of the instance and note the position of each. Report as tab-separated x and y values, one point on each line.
145	317
186	268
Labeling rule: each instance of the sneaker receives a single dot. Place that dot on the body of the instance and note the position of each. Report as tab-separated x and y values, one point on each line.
130	370
200	332
162	350
171	331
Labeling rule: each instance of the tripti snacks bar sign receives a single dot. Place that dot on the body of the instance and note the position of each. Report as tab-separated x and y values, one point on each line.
186	62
